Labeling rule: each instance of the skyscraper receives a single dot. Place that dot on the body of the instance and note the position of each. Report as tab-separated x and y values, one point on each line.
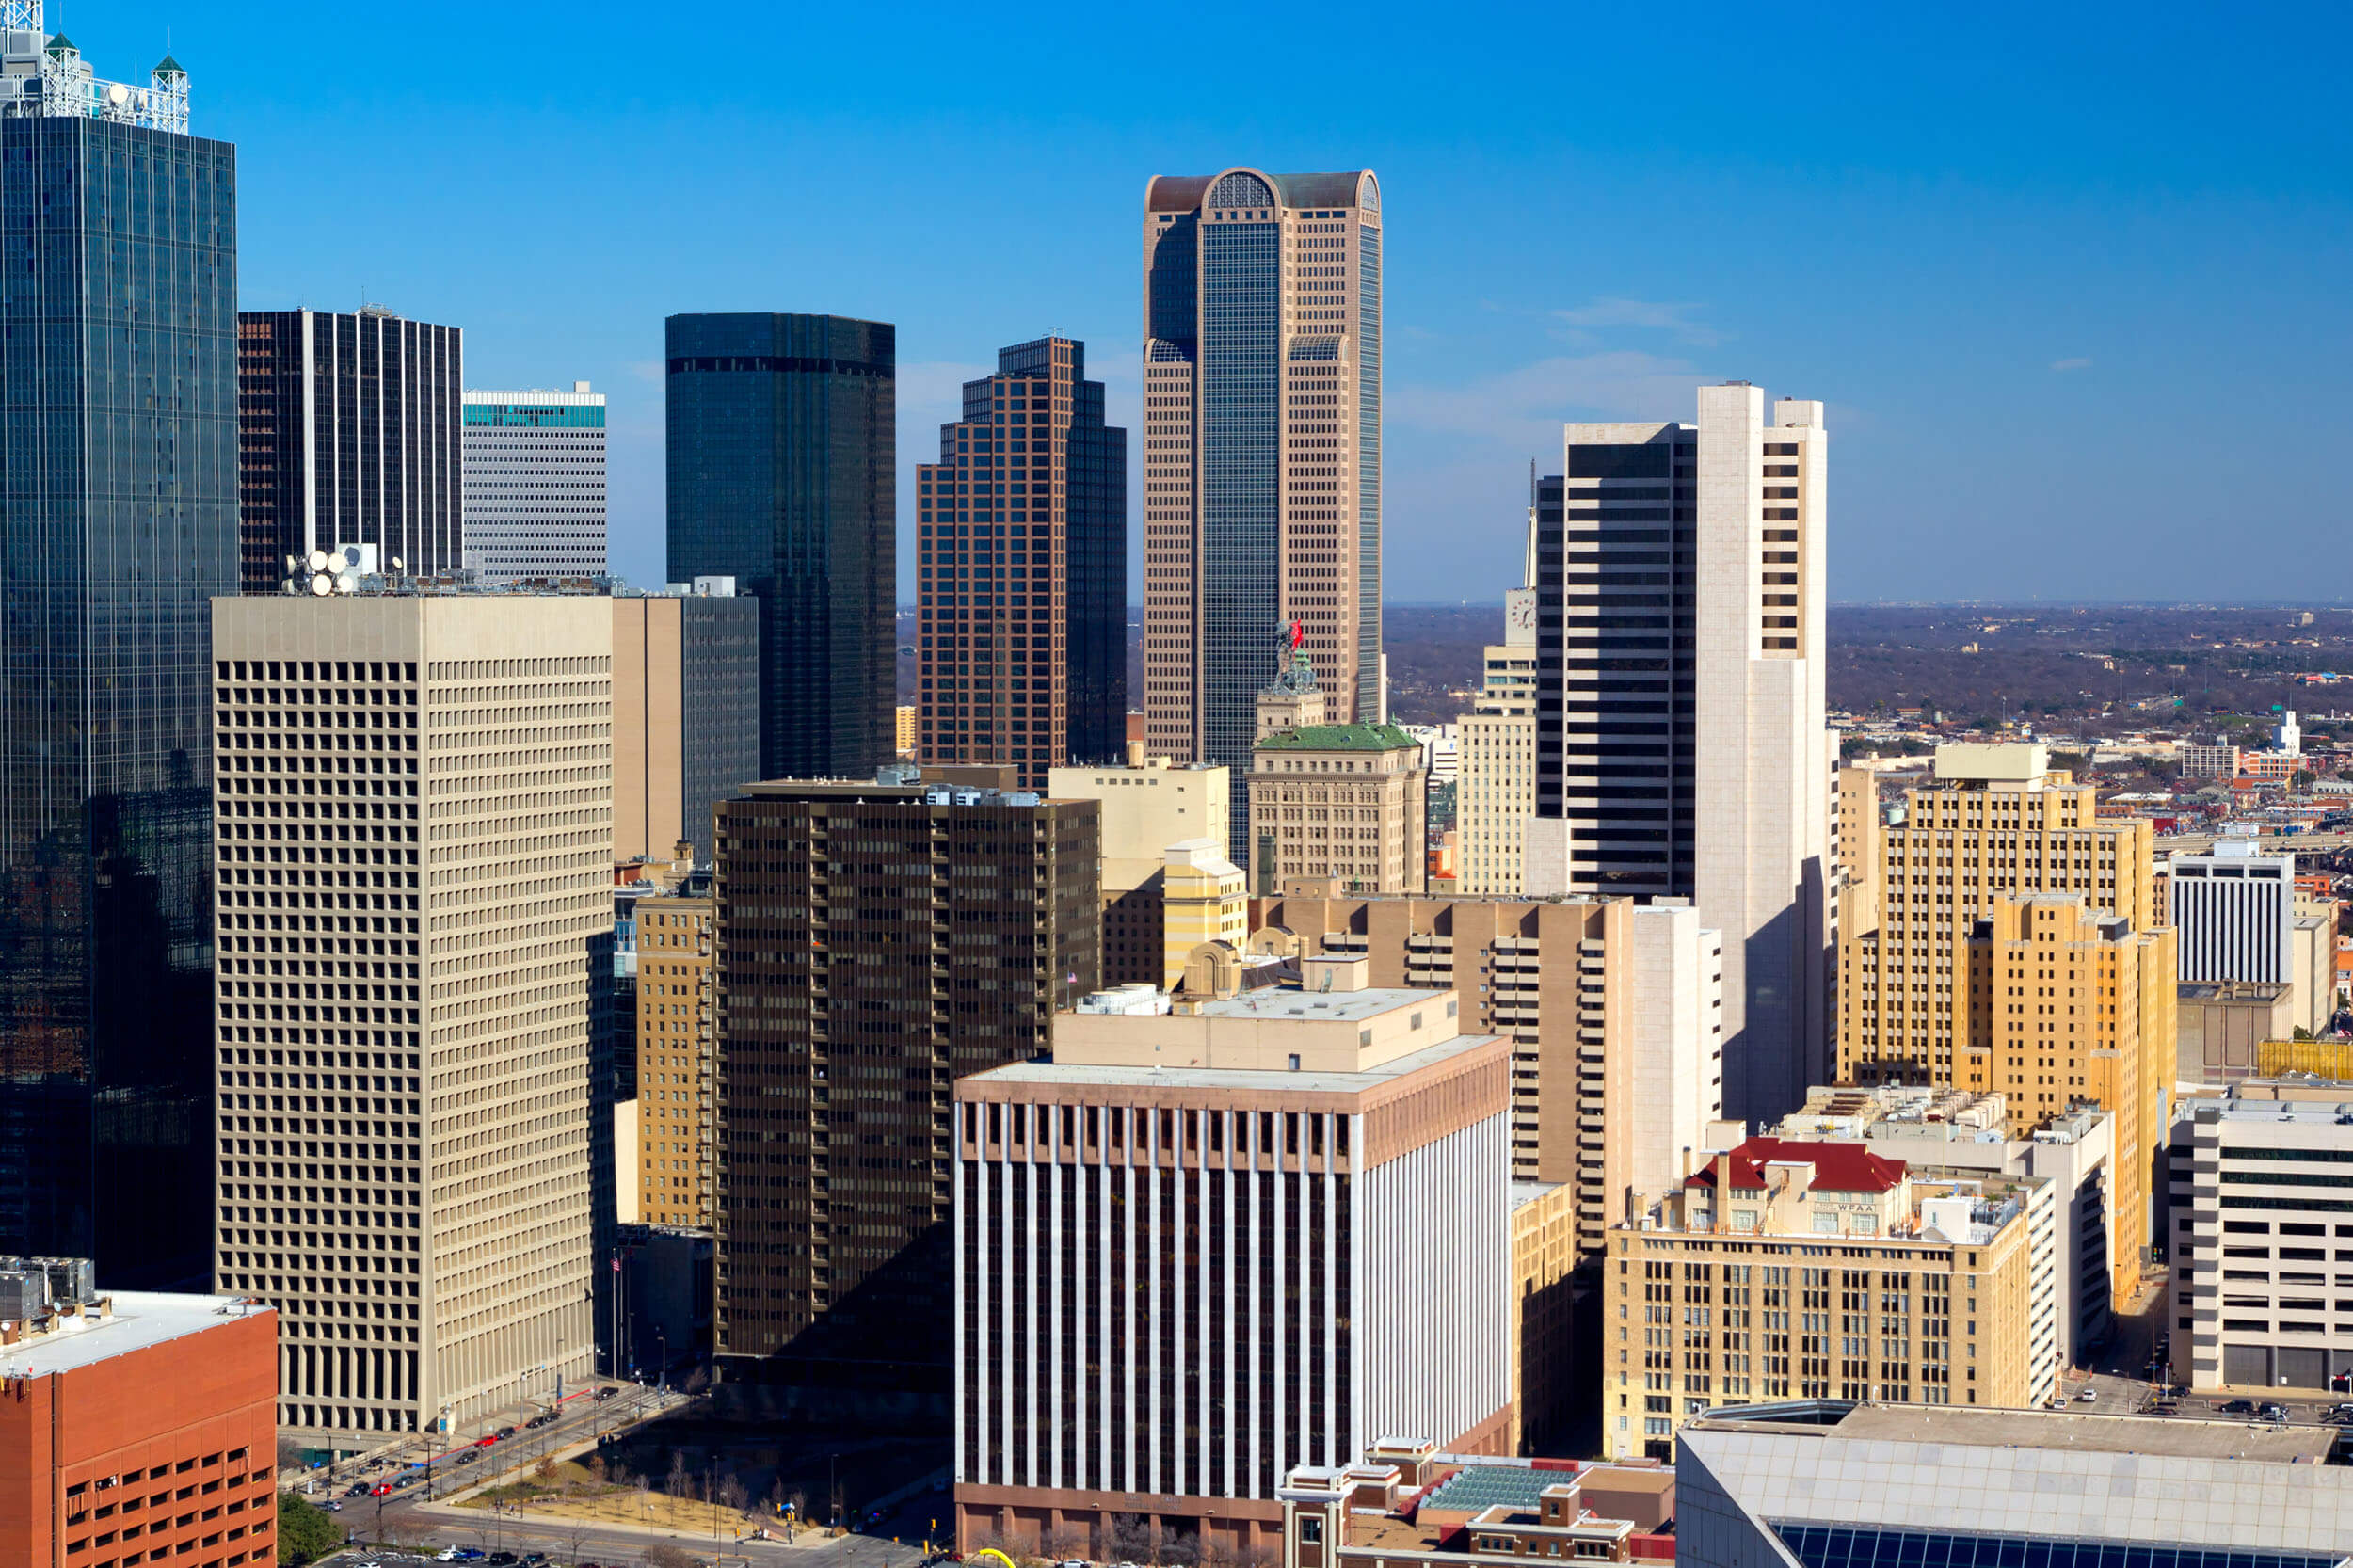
416	798
118	524
685	716
1262	451
1022	559
782	453
534	483
1680	749
348	433
875	943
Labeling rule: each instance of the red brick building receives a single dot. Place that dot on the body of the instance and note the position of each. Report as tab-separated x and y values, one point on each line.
140	1429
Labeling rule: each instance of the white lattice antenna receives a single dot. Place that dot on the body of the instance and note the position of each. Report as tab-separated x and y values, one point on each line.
20	13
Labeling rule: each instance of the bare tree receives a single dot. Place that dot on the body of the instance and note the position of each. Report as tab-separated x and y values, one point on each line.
594	1465
1134	1540
1061	1541
676	1486
732	1496
664	1555
575	1537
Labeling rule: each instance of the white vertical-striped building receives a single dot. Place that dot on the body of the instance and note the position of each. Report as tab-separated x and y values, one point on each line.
2235	910
1199	1249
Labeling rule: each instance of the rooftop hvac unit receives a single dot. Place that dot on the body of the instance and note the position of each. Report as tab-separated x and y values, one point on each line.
71	1280
23	1295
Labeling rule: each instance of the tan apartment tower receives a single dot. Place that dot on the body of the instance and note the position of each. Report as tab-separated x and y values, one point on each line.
1262	450
1996	832
685	714
1614	1011
1679	596
678	1063
414	813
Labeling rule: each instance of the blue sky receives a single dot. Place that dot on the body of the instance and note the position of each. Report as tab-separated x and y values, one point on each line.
2072	281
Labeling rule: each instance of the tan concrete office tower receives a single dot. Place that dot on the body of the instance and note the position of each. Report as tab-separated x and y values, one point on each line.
414	802
1680	585
1261	452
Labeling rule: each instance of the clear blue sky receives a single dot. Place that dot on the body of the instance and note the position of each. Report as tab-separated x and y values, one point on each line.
2073	281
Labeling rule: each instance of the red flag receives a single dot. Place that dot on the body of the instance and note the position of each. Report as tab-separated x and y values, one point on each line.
1299	634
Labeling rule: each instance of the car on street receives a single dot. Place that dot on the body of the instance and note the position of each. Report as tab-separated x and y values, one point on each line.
381	1489
603	1395
356	1489
2087	1395
2238	1407
468	1456
2275	1413
506	1433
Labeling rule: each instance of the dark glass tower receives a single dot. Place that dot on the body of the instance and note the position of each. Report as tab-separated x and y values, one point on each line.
782	453
349	429
875	943
117	525
1021	551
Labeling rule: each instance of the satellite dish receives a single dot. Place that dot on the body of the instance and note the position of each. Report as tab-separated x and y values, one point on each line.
322	585
395	562
118	95
294	564
318	560
346	582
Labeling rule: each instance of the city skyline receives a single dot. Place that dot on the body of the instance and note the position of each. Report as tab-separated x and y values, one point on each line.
1834	246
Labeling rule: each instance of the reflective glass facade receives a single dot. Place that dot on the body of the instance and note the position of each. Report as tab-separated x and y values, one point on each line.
783	441
1873	1546
117	526
1240	483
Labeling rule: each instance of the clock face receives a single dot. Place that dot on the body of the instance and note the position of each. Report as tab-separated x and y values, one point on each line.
1519	609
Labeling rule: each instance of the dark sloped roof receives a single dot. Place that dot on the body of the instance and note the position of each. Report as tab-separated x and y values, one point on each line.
1184	193
1837	1167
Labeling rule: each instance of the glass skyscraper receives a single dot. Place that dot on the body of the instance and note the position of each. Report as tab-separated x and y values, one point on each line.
1262	451
117	526
348	427
782	446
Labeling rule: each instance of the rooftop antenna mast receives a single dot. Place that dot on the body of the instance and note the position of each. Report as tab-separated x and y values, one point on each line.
1527	563
20	14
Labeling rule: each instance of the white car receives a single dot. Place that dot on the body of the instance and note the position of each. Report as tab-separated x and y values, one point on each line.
2089	1396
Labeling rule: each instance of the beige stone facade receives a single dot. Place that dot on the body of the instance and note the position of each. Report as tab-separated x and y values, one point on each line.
1494	793
1344	801
677	1063
1997	826
1612	1009
414	803
1145	806
2078	1009
1785	1271
1544	1255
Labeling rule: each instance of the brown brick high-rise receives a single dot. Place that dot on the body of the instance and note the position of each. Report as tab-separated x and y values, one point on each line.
876	943
1021	555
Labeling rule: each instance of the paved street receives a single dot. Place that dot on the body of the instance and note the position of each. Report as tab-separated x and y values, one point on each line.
419	1517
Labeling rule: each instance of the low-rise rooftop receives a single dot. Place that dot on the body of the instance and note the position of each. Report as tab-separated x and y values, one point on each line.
136	1321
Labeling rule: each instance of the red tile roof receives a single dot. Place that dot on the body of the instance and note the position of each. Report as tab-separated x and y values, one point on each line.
1837	1167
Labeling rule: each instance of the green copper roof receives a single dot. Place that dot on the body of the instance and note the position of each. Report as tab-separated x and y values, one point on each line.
170	67
60	44
1339	737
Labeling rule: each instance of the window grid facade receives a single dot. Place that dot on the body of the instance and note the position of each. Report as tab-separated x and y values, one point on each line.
414	854
1021	560
535	488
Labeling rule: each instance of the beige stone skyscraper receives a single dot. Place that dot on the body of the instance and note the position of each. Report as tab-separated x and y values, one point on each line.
414	802
1680	597
1261	451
